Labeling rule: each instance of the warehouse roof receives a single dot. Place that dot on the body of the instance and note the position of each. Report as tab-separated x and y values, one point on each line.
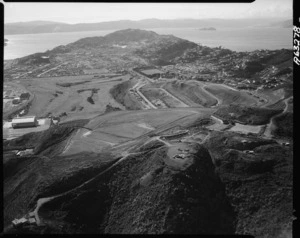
23	119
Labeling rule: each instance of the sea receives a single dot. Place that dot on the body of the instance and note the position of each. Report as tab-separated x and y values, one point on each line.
236	39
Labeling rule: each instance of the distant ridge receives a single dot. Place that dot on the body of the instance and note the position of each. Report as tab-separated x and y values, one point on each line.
35	27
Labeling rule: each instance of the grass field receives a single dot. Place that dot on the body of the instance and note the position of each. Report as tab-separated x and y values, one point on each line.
121	126
73	96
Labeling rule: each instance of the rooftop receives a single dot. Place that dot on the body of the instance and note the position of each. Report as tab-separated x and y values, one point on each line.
23	119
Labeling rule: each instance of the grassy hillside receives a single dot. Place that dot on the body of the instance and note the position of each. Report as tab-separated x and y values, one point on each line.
258	186
284	125
246	115
190	93
121	95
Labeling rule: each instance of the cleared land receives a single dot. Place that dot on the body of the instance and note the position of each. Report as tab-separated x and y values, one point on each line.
153	94
123	126
190	93
246	128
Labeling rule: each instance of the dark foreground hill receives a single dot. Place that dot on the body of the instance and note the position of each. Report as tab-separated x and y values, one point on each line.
217	189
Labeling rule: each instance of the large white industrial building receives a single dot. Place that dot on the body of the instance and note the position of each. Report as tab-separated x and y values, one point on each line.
21	122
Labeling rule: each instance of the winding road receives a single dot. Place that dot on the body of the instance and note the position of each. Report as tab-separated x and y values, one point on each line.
270	126
42	201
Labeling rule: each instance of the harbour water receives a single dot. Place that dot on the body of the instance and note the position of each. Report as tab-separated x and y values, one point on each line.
237	39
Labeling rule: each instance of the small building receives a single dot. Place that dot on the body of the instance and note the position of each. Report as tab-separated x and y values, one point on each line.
31	214
44	59
16	100
31	220
23	122
19	222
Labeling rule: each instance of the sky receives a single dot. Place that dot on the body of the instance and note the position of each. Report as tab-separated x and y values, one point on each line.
100	12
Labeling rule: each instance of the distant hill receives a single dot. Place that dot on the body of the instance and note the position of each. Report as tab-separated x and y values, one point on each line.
157	49
33	23
35	27
118	37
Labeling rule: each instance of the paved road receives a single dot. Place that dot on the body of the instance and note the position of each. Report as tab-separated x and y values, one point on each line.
50	69
271	125
42	201
219	101
202	85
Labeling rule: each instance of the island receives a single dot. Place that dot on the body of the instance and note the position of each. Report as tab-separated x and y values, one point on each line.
207	29
5	42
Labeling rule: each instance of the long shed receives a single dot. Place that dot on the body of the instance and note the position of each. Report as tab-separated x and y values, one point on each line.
22	122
